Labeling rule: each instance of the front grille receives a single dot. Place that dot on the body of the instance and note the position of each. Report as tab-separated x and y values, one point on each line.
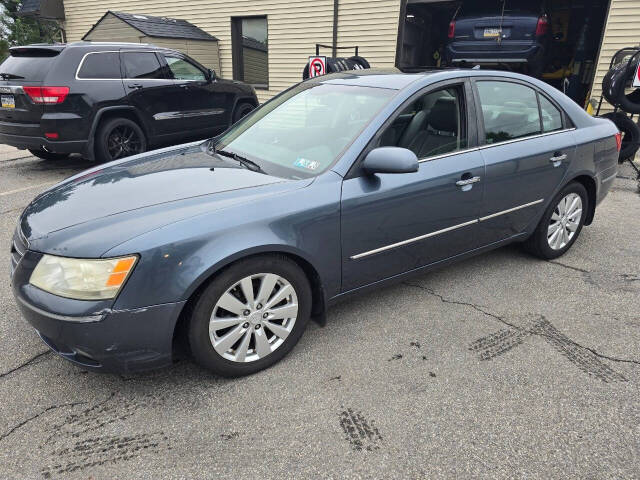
18	248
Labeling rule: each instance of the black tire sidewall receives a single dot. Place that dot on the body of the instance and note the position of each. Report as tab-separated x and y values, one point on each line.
101	150
631	140
201	347
245	107
542	244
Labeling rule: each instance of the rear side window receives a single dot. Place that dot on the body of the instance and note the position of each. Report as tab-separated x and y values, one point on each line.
30	68
509	110
142	65
551	116
100	65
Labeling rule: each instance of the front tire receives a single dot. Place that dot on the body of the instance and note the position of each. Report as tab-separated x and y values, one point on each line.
250	316
242	110
561	223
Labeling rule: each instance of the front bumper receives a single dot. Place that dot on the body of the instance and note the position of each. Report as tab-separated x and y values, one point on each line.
92	334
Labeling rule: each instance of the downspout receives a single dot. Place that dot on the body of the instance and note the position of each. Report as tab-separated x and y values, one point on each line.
334	44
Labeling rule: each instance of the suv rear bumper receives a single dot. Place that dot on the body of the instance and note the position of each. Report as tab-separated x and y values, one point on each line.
481	52
39	143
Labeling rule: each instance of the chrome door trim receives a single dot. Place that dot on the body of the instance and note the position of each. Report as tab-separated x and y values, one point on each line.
504	212
483	147
539	135
195	113
412	240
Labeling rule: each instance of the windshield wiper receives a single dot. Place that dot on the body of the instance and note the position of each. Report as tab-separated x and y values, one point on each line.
248	164
10	76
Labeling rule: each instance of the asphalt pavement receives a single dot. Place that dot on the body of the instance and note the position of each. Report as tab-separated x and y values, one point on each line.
502	366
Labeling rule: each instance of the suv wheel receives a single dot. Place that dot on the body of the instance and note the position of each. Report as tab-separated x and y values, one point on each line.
118	138
250	316
242	109
43	154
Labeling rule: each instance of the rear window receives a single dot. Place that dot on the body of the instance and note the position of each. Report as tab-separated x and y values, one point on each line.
100	65
29	68
142	65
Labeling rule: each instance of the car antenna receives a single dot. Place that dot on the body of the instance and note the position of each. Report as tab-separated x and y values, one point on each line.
456	13
501	22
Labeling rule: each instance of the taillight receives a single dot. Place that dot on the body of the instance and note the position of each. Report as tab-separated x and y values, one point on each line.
47	95
543	26
619	141
452	29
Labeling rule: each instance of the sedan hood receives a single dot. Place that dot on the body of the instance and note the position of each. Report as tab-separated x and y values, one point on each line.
133	196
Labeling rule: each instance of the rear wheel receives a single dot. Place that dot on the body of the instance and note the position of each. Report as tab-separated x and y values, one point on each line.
561	223
250	316
43	154
119	138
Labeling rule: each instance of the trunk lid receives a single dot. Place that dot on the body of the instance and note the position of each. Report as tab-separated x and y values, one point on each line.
25	66
514	27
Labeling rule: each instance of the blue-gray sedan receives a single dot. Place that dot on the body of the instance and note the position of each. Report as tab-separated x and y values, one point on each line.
339	184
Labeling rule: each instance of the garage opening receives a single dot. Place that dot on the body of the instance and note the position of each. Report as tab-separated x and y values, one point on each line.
557	41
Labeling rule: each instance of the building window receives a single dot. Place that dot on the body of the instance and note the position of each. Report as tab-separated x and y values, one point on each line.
249	50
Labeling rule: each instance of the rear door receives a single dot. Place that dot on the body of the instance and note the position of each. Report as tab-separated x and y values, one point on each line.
153	93
527	148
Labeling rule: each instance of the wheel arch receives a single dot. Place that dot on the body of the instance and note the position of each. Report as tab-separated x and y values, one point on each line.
319	300
106	113
590	185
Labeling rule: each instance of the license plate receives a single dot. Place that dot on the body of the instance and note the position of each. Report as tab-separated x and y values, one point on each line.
491	32
8	101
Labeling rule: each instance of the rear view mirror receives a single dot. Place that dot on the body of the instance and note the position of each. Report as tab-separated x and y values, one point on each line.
390	160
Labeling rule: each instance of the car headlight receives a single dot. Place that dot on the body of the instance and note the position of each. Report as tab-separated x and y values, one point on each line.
96	279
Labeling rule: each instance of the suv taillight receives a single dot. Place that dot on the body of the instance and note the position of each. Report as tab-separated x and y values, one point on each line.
452	29
47	95
619	141
543	26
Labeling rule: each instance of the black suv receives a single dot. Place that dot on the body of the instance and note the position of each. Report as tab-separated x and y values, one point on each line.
111	100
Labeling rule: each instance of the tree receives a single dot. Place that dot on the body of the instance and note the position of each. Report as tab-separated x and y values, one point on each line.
18	30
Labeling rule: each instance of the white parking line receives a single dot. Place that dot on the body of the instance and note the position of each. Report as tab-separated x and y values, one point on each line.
18	190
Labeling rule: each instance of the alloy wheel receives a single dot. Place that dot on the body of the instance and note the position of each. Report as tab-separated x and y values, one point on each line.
253	317
123	141
565	221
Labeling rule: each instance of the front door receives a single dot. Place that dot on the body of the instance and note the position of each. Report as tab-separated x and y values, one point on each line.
206	109
393	223
527	152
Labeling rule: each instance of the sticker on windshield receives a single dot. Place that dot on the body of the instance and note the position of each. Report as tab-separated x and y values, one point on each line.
308	164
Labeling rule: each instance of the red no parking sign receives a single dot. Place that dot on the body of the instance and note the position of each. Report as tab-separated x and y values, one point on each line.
636	79
317	66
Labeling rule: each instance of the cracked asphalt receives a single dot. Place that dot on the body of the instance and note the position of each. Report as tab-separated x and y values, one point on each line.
502	366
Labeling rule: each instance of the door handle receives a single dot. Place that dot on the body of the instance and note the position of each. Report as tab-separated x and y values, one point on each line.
134	86
467	181
558	158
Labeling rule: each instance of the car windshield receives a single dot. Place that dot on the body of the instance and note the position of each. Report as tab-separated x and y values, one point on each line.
302	132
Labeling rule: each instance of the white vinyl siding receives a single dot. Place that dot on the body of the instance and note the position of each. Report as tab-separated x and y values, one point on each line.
294	27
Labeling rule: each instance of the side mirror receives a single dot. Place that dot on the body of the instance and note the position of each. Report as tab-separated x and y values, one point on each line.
211	75
390	160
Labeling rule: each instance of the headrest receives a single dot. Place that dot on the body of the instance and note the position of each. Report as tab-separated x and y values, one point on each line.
444	115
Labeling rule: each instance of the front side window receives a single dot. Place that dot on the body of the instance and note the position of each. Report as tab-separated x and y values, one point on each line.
302	132
100	66
250	51
509	110
432	125
141	65
183	70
